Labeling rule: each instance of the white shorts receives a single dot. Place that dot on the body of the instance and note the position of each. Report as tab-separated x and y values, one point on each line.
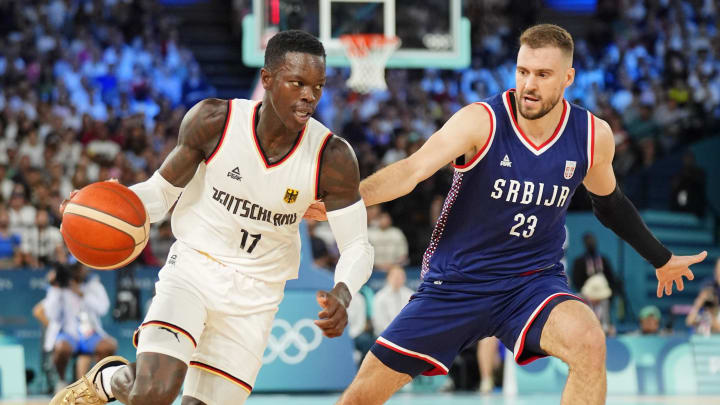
212	317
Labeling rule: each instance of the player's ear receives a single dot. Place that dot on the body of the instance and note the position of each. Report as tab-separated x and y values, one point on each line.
266	77
569	77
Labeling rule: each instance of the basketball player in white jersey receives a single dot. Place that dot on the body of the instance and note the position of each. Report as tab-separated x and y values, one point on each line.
247	172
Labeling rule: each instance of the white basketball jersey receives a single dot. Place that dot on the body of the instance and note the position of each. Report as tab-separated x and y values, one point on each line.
244	211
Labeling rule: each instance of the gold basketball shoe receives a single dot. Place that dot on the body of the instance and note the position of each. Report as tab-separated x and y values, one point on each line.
82	391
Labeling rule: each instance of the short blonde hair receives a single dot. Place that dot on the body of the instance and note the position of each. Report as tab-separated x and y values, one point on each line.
542	35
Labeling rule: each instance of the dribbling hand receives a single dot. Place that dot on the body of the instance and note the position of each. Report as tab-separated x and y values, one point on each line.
674	271
65	202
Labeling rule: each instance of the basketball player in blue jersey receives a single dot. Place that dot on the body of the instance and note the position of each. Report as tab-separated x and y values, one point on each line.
492	267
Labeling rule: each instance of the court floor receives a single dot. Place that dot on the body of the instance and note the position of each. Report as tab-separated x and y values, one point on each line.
451	399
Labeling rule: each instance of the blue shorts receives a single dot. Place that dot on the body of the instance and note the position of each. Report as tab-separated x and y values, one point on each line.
83	345
443	318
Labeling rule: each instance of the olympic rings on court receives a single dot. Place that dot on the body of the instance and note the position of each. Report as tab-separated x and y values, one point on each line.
291	336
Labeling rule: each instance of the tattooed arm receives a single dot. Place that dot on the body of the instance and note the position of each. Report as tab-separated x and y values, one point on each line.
339	181
200	131
339	175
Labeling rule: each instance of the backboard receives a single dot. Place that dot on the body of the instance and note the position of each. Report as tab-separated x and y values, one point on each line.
433	32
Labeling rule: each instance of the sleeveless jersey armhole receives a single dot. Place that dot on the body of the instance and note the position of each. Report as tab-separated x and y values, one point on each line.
321	152
591	140
485	148
222	137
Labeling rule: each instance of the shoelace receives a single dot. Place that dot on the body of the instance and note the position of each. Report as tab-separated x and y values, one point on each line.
88	393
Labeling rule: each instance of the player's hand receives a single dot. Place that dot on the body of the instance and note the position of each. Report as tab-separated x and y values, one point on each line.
674	271
316	211
333	317
65	202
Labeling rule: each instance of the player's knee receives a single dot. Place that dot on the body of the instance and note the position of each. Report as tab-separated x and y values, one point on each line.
148	392
588	348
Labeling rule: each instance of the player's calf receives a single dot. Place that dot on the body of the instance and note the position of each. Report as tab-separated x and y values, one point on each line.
374	384
158	379
147	392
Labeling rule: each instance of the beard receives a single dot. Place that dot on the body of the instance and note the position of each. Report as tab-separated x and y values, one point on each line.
545	107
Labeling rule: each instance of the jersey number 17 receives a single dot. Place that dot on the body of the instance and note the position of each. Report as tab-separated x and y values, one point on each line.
255	236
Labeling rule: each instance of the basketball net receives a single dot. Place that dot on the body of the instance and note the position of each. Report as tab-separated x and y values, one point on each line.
368	55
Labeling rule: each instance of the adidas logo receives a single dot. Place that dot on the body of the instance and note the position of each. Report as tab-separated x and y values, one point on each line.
506	162
235	174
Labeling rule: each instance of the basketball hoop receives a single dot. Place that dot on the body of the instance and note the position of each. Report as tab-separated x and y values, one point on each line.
368	55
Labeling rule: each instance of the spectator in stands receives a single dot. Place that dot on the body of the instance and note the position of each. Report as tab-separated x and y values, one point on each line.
390	299
161	239
704	316
391	246
321	255
6	185
591	263
597	292
359	329
650	320
398	151
593	277
42	244
22	214
102	148
10	255
74	303
688	187
195	87
32	148
714	283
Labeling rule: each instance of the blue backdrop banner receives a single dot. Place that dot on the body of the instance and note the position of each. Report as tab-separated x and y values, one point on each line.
640	365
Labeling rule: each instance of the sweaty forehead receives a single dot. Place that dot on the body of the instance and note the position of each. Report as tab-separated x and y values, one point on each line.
305	64
549	57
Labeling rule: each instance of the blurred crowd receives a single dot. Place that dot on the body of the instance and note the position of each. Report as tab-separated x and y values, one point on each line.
89	90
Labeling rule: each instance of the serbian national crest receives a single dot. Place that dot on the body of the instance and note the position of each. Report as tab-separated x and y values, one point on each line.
569	169
291	195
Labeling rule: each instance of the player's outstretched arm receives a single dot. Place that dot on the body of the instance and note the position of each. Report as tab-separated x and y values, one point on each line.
200	131
338	188
616	212
467	129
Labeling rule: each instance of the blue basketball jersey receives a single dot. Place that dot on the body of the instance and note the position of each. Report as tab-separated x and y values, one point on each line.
505	212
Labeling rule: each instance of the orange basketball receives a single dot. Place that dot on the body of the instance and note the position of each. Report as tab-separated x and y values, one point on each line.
105	225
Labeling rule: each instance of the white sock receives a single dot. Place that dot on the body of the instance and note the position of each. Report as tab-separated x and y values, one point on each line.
102	384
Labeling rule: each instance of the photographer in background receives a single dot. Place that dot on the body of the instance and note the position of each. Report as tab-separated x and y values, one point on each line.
74	303
704	316
714	283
